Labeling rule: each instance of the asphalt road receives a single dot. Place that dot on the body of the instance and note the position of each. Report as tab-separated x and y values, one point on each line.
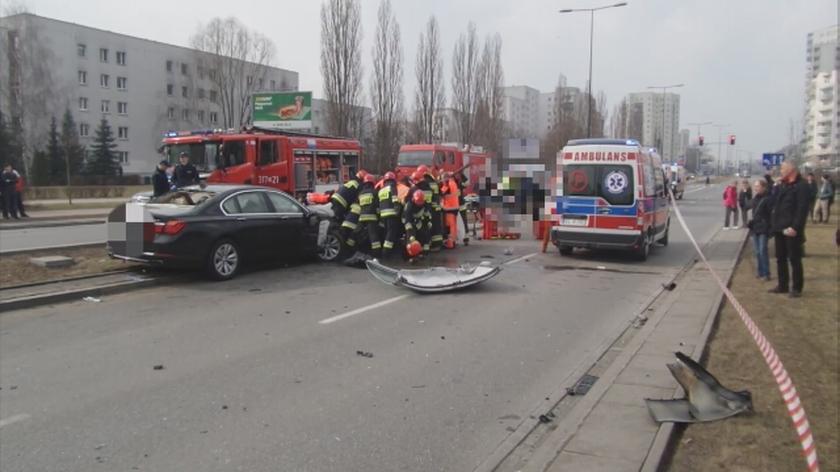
53	236
261	373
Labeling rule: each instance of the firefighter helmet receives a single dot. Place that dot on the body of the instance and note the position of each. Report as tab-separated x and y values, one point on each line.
417	176
423	169
418	198
361	174
389	176
414	248
369	179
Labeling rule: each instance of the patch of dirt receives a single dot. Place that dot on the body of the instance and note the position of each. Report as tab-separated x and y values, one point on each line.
805	333
16	269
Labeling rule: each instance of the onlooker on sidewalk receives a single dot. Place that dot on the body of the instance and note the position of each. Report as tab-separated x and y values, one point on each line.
185	173
744	196
760	226
19	194
160	181
787	224
826	199
813	190
8	184
730	202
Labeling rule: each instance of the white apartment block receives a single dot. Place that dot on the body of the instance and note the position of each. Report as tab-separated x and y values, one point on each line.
653	105
521	110
144	88
567	100
822	98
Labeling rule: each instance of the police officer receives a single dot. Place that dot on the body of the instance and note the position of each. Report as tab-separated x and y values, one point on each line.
368	218
160	181
185	173
346	195
389	210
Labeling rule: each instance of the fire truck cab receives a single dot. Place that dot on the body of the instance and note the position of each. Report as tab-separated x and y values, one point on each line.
292	162
443	158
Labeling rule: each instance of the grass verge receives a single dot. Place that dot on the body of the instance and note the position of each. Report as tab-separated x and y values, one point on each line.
16	269
805	333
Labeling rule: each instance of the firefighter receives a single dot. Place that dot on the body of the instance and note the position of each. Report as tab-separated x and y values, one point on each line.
350	225
462	180
451	207
389	212
433	198
368	219
346	195
415	219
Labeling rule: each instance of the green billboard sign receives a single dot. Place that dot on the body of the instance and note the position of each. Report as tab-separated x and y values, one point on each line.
286	110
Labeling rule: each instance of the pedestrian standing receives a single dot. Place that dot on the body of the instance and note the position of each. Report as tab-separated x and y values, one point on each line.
787	224
160	181
813	190
730	203
744	196
826	198
8	184
185	173
759	226
19	194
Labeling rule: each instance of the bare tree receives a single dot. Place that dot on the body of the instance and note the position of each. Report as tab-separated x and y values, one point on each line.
341	64
466	82
386	90
618	120
237	60
489	121
428	68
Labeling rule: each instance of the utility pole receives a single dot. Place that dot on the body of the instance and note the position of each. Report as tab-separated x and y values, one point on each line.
720	142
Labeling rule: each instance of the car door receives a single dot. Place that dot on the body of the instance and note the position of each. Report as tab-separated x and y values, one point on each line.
252	222
292	229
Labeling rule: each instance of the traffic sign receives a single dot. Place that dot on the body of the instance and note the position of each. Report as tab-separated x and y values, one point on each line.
771	159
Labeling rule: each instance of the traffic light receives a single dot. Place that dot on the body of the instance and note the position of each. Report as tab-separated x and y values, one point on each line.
700	140
731	139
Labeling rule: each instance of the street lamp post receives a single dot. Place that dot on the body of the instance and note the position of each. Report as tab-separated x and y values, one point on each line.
591	12
699	125
664	88
720	142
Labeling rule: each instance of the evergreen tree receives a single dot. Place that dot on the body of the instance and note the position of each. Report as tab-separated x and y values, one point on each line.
55	156
103	156
40	172
13	153
70	147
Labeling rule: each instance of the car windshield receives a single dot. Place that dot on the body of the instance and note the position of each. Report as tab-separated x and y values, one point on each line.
414	158
202	155
613	183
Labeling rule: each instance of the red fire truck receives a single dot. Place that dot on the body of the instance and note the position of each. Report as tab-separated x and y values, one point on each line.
293	162
443	158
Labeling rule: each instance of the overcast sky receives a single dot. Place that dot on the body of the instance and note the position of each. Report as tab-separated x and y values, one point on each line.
742	61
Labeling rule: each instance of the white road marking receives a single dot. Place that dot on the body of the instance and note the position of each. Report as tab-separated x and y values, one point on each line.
363	309
514	261
14	419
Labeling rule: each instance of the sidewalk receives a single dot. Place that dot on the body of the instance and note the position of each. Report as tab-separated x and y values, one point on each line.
46	218
610	429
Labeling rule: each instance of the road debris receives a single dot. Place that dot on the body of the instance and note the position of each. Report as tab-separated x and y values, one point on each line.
544	419
669	286
508	252
706	400
582	386
433	279
92	299
364	354
158	367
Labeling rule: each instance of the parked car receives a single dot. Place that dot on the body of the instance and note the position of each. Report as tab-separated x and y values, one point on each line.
219	228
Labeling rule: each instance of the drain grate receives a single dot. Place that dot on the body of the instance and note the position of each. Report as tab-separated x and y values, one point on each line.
582	386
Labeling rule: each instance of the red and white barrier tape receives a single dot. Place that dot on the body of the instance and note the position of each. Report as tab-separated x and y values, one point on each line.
791	397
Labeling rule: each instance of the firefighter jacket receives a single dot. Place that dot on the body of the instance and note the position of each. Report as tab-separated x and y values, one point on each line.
389	201
433	193
347	193
415	217
367	200
351	221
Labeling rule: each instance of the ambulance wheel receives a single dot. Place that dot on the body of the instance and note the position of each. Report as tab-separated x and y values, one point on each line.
333	244
644	249
679	197
224	260
664	240
565	250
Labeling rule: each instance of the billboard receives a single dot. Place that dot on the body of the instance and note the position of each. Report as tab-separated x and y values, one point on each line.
286	110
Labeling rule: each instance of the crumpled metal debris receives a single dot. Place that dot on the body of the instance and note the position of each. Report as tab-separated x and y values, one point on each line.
434	279
364	354
706	399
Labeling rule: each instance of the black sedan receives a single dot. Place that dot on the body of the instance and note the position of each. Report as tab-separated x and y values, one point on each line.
220	227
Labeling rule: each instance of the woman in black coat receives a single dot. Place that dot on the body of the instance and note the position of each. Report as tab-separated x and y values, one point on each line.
759	225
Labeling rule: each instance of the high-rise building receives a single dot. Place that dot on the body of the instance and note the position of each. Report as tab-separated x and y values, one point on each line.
685	137
821	133
653	104
142	87
521	109
566	100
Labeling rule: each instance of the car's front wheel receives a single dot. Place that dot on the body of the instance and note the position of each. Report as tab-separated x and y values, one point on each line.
331	249
224	260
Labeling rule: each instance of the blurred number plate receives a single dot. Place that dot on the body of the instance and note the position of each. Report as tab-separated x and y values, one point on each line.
574	220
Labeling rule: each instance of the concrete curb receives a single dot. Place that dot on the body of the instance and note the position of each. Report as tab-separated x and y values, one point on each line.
50	248
77	294
663	443
49	223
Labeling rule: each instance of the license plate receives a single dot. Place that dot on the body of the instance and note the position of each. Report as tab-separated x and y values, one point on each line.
574	221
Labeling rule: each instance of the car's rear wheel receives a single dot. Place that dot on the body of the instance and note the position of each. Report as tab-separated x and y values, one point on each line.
565	250
224	260
332	246
644	248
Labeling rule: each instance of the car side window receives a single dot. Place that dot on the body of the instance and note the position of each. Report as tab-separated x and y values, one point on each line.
230	206
252	202
283	204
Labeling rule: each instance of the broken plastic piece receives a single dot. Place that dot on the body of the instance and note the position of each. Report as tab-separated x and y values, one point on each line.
92	299
433	279
364	354
706	399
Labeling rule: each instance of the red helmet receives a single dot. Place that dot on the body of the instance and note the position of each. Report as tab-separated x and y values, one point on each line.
389	176
423	170
369	179
413	248
418	198
417	176
361	174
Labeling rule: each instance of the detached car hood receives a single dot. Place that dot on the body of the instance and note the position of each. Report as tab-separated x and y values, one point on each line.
433	279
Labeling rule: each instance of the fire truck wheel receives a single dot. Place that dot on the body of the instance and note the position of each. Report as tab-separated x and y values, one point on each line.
332	246
224	260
